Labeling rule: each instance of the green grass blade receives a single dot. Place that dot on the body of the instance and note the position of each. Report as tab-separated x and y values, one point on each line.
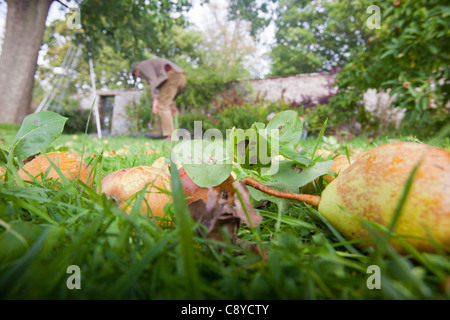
184	227
319	138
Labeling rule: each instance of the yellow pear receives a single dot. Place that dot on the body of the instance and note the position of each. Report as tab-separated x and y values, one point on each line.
371	188
122	185
43	165
340	164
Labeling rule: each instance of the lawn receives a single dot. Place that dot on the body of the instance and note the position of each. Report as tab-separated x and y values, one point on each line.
45	228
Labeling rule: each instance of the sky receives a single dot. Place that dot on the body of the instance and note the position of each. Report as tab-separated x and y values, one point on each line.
2	22
197	15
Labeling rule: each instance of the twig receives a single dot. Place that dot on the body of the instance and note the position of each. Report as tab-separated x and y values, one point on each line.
65	5
307	198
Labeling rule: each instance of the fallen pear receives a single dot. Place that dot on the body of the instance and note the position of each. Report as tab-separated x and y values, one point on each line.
122	185
161	164
371	189
45	164
340	164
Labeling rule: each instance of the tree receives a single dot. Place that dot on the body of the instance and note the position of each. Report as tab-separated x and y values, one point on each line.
25	25
316	35
133	29
229	40
212	58
407	56
112	71
258	13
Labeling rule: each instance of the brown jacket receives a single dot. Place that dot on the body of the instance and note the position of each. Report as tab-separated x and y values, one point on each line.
152	70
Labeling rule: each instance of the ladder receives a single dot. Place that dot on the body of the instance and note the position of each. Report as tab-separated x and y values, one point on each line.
60	81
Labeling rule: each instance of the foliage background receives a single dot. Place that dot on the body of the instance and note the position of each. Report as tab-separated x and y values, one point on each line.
310	36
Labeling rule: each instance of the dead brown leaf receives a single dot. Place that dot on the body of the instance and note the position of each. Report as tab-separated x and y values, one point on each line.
245	211
217	215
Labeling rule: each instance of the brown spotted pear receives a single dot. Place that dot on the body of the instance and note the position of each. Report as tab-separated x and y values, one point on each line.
371	188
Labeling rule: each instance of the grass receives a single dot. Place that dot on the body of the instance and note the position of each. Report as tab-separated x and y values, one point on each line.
44	230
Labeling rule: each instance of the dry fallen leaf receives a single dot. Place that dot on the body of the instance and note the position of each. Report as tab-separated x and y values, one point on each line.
216	213
245	208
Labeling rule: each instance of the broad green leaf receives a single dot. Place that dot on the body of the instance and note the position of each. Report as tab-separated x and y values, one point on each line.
258	195
295	175
413	91
207	163
36	132
258	125
295	156
252	148
289	126
422	103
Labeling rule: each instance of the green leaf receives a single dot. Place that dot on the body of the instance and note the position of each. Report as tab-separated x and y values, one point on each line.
295	175
319	138
433	49
289	126
36	132
412	91
295	156
260	196
3	155
206	163
422	103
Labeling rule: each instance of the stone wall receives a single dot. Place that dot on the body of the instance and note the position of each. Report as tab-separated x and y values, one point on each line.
120	124
293	88
315	85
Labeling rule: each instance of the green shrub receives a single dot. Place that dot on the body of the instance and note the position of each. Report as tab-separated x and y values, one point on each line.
409	56
315	117
140	114
78	119
431	124
240	117
187	119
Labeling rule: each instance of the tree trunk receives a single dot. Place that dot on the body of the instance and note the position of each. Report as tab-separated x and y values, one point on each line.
25	26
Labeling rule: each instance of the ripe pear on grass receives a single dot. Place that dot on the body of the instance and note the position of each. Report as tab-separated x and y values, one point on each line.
372	186
340	164
44	166
122	185
371	189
